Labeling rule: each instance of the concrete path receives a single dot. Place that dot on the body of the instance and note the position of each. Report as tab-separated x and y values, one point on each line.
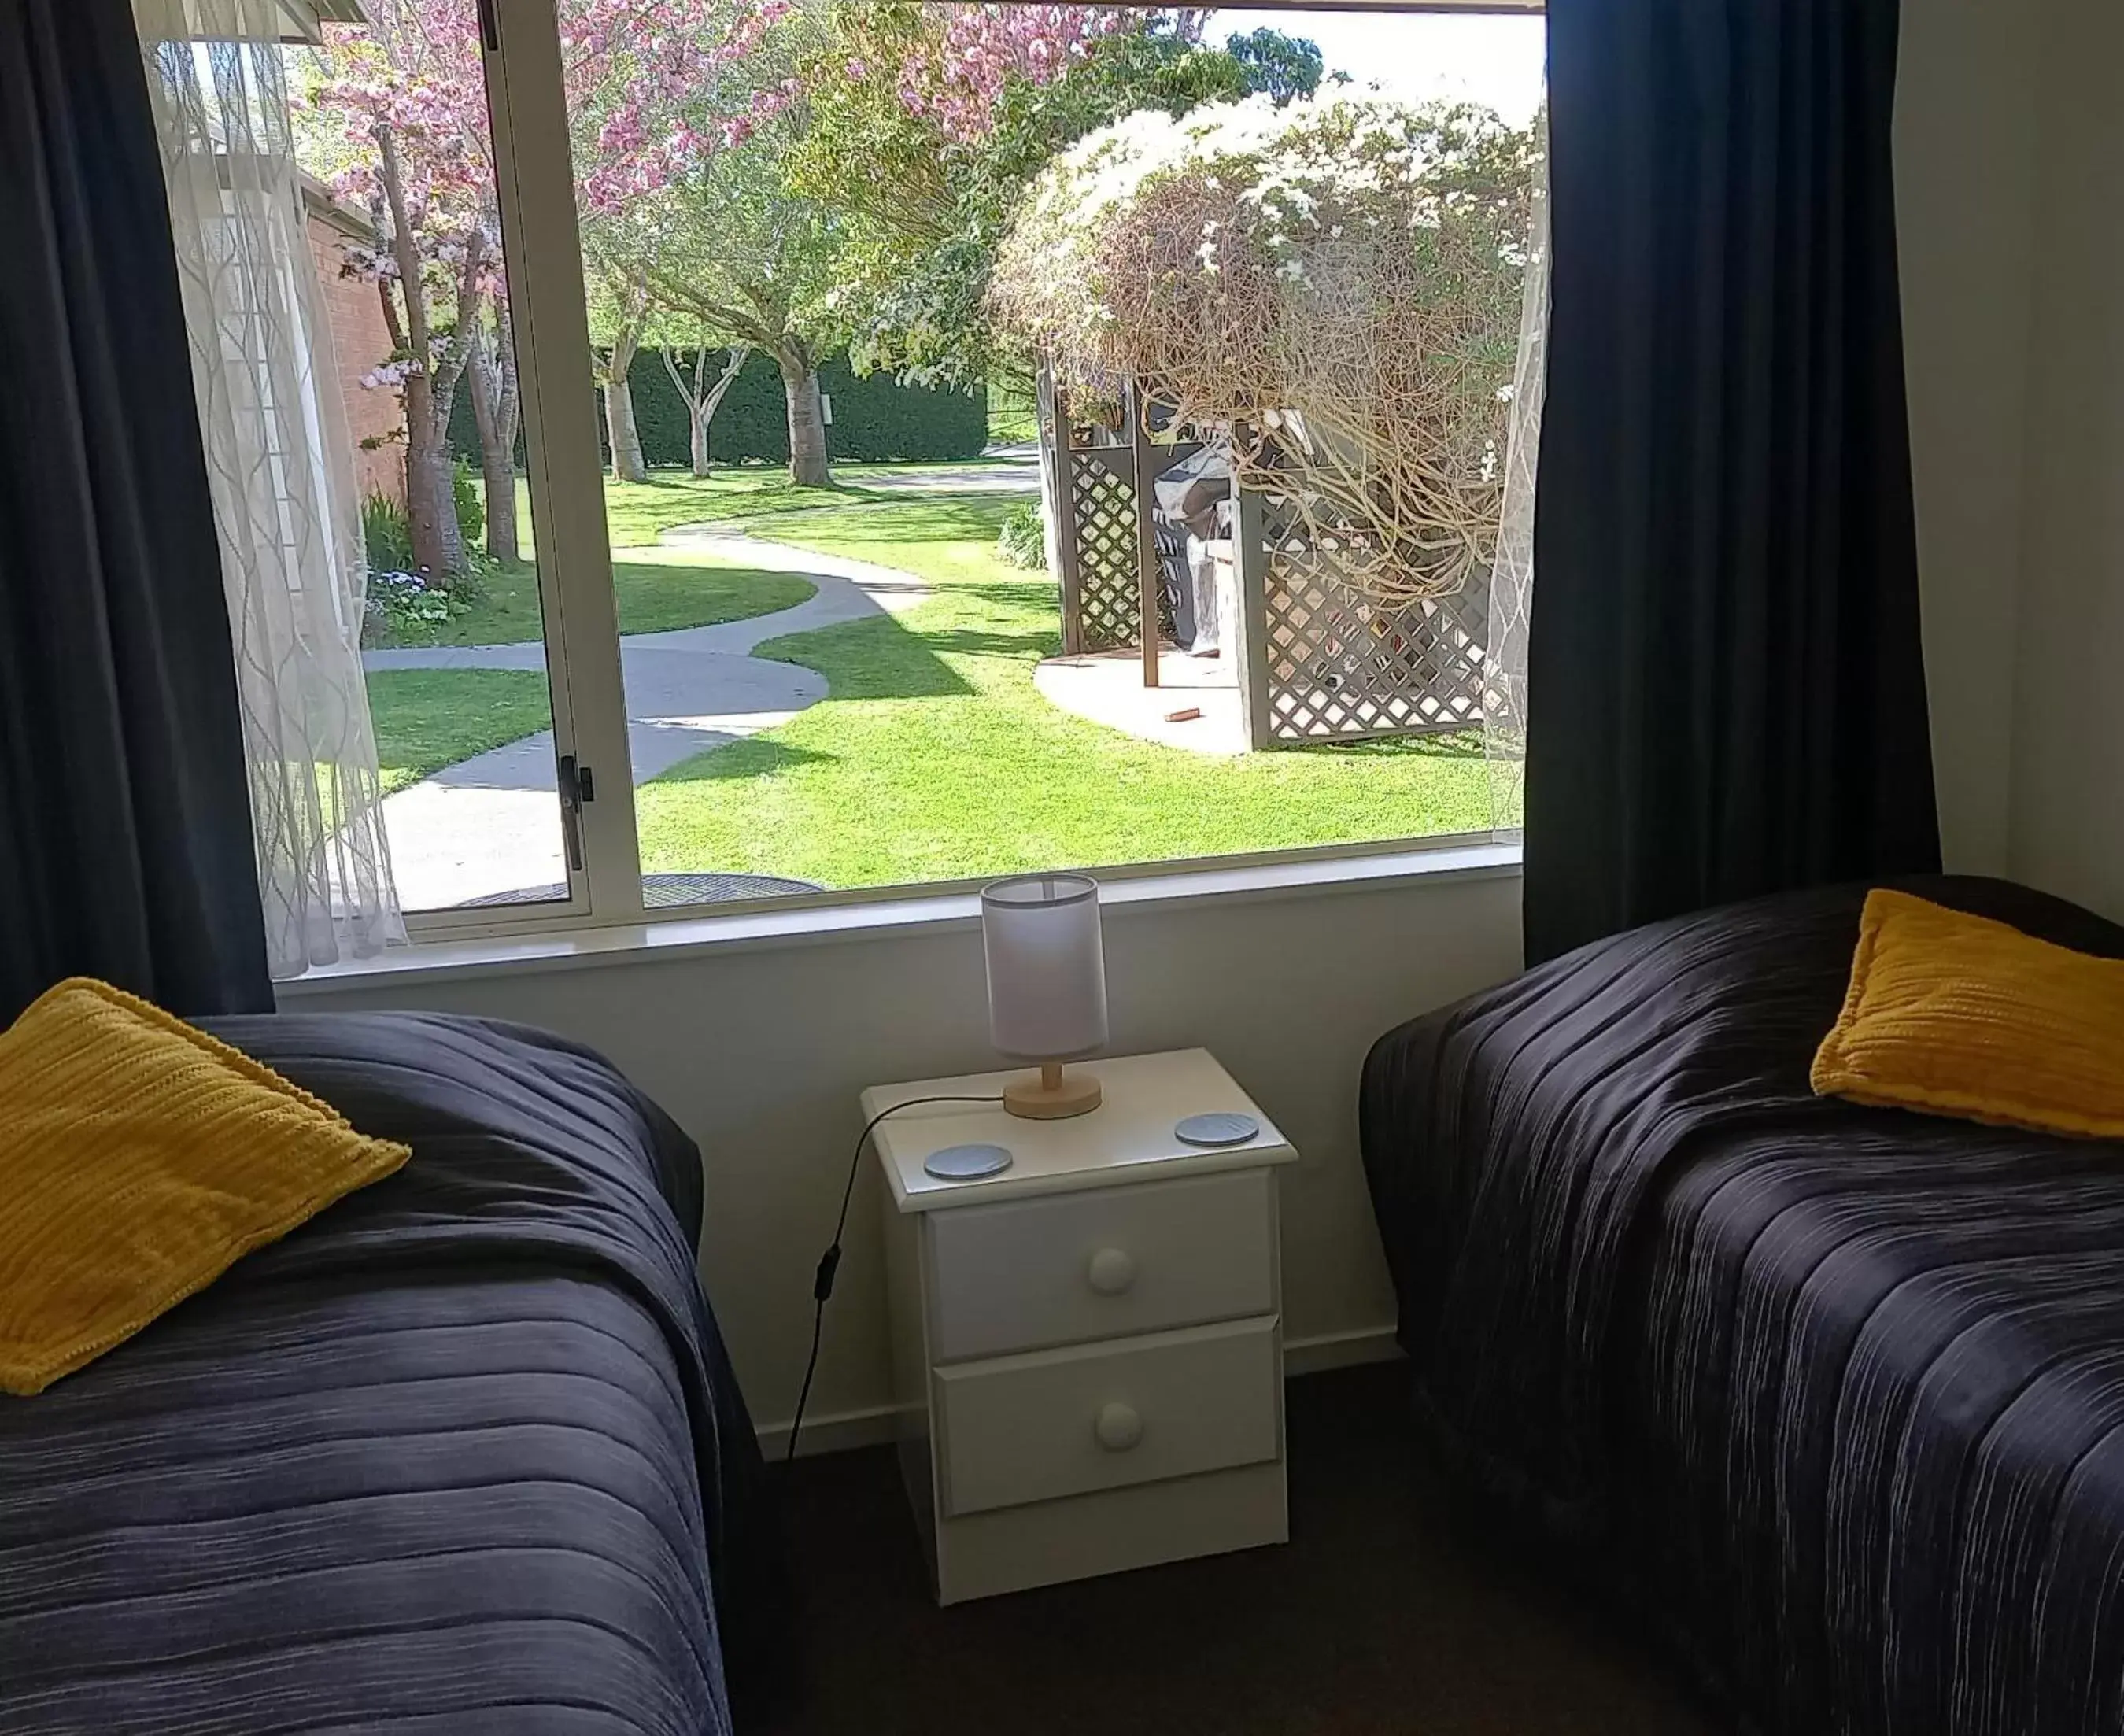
1014	470
491	823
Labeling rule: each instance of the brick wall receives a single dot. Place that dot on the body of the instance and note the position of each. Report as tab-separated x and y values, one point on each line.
360	342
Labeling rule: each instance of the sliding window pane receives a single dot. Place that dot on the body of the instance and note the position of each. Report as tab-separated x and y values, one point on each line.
404	234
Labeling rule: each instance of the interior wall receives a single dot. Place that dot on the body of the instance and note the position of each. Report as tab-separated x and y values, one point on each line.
2068	763
1965	160
760	1055
2010	144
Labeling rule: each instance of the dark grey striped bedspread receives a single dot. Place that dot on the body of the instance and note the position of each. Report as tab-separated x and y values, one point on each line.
463	1454
1838	1392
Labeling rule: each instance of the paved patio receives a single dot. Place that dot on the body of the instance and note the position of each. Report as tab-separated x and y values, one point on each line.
1106	687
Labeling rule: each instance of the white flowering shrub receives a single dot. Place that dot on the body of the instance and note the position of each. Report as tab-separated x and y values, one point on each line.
1337	282
401	606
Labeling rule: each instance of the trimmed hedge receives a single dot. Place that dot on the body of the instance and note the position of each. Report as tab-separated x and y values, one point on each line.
875	420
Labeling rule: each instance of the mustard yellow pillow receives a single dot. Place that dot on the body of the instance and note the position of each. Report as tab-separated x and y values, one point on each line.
1958	1015
139	1159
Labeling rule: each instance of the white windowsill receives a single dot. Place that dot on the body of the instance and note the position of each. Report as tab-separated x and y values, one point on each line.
638	943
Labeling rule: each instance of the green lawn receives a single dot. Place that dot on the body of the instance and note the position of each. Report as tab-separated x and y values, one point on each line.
635	512
428	719
660	591
935	757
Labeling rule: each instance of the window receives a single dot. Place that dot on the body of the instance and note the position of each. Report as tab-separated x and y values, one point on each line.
780	419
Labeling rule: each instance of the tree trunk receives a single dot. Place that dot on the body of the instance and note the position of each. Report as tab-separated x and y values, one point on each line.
437	547
491	414
699	405
701	398
627	465
509	422
807	423
498	481
430	510
443	394
698	416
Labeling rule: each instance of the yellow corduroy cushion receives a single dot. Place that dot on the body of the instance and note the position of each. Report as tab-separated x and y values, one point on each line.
1955	1014
139	1159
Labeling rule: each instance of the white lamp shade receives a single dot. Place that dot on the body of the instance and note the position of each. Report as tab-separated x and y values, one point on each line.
1047	966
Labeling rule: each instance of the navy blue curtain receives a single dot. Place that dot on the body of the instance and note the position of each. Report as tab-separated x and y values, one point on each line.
1726	689
125	848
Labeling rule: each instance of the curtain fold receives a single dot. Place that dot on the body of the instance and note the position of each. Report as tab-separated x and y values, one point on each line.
282	475
1727	690
125	847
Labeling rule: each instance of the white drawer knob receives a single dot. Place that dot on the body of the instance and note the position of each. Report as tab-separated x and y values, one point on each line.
1118	1426
1112	1271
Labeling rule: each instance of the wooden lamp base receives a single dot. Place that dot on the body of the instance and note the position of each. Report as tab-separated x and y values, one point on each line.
1054	1096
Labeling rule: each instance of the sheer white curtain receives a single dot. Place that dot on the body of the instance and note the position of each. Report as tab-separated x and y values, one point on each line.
282	472
1512	577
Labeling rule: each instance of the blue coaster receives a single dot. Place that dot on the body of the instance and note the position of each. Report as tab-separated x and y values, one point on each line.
967	1163
1221	1127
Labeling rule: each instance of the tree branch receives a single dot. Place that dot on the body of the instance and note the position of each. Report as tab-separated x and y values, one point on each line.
403	250
394	327
691	395
456	353
722	317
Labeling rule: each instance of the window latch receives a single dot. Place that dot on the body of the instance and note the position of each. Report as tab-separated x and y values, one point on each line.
578	783
577	786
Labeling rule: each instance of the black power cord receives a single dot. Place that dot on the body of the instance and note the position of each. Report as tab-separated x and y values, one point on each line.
829	1262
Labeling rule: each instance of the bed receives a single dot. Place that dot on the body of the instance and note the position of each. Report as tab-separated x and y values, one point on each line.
462	1454
1834	1394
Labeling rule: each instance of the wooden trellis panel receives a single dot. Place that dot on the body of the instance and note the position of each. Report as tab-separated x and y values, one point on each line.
1108	552
1341	666
1103	489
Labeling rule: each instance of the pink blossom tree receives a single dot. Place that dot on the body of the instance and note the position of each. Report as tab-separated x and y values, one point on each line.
685	116
653	88
396	122
957	70
657	91
693	220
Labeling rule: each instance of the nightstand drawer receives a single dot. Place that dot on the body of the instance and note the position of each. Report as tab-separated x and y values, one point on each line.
1099	1264
1103	1416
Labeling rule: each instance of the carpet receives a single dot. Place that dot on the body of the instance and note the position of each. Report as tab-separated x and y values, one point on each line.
1396	1609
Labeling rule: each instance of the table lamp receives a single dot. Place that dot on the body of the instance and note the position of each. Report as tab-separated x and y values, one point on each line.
1047	987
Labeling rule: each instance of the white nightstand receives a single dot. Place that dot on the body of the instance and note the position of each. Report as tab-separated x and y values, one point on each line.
1088	1347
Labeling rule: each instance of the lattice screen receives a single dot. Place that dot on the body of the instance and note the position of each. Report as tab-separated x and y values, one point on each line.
1343	665
1106	547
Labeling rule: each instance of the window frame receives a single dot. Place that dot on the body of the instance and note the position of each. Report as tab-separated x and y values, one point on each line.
542	261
